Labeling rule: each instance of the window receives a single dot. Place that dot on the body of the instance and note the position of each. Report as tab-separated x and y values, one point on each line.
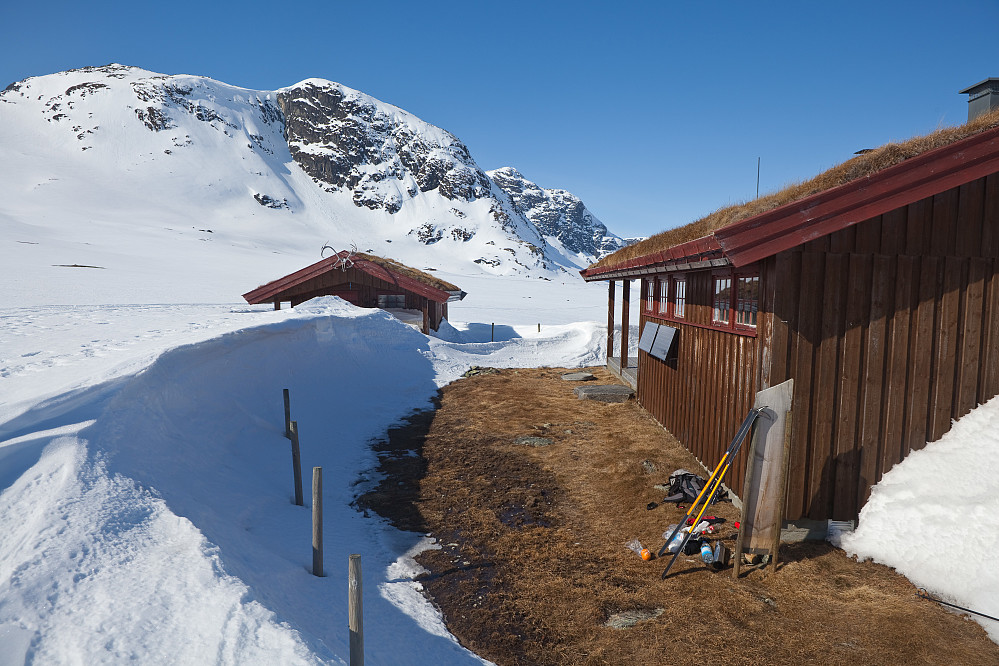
735	300
747	300
721	302
392	301
650	294
662	295
678	286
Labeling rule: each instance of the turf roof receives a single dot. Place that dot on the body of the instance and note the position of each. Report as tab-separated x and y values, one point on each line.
404	270
861	166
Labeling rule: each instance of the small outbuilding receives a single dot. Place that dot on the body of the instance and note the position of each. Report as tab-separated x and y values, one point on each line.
366	281
874	286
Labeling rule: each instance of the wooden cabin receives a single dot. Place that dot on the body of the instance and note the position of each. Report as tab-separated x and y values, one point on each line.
366	281
875	287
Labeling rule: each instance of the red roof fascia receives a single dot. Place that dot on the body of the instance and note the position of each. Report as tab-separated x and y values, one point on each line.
264	293
699	249
267	292
821	214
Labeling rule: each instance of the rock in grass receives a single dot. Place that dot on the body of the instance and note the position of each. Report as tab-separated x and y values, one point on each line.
534	441
628	619
579	376
604	393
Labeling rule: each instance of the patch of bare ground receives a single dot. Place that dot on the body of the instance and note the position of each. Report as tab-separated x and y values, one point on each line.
532	561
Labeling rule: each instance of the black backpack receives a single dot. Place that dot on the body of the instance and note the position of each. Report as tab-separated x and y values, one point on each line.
684	486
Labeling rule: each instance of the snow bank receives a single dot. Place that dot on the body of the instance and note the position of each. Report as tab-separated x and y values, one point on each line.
934	517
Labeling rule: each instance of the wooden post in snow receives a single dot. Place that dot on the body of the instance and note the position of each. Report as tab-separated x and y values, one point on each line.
287	414
317	521
296	464
355	611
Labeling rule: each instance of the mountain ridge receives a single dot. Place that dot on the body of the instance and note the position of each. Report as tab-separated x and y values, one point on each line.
272	174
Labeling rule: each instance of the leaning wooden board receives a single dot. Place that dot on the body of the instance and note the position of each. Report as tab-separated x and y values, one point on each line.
765	484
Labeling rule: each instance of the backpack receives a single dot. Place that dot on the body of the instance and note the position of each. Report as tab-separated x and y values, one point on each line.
684	486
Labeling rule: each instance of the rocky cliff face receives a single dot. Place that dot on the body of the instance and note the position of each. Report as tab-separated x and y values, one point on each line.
347	140
558	214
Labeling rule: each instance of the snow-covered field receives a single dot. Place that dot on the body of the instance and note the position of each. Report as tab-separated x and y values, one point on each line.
146	501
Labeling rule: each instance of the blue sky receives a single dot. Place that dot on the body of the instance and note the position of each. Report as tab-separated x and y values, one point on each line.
654	113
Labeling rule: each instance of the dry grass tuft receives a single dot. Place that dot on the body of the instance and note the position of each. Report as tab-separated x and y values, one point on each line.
859	167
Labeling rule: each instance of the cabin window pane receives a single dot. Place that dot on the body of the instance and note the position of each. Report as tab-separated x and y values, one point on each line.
722	300
392	301
650	294
662	294
747	300
679	297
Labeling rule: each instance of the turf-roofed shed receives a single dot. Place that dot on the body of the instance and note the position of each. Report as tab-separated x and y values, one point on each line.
367	281
874	286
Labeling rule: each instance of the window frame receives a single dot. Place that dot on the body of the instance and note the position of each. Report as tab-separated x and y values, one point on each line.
674	299
734	276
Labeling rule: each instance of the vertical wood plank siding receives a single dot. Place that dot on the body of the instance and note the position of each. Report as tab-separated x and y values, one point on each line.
704	395
889	328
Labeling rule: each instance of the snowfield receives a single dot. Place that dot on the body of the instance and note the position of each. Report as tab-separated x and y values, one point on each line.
146	486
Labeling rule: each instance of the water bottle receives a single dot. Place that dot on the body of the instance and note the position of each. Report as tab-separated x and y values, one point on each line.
674	545
706	554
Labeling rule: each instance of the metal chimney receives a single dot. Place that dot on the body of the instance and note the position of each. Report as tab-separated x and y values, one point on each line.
982	97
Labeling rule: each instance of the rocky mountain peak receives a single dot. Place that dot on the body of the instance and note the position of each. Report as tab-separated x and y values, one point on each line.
558	214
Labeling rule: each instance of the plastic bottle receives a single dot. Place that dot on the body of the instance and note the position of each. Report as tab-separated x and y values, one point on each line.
640	550
674	545
706	553
701	526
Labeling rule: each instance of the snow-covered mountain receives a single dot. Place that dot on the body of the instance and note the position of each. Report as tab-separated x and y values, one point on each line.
247	185
559	215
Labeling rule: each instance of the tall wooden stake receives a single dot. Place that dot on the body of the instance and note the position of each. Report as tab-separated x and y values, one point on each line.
317	521
287	414
296	464
355	611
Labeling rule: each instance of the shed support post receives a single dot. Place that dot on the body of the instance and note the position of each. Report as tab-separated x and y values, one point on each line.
625	321
610	319
426	317
277	305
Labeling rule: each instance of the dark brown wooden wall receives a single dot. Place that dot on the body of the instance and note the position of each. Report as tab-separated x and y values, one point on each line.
704	395
890	329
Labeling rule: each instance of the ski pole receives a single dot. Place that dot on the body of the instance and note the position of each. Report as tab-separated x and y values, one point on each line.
693	506
696	522
729	452
923	594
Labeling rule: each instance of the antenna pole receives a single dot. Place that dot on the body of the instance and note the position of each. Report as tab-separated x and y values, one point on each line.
757	177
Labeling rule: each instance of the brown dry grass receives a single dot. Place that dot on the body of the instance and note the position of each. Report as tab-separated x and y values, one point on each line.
532	561
858	167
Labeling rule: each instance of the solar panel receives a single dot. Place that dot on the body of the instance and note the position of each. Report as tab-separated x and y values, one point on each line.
662	346
648	336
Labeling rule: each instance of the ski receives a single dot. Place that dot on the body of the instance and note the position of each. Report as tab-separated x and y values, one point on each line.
711	488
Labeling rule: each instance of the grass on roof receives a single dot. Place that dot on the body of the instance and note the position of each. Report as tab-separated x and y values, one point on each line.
859	167
402	269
